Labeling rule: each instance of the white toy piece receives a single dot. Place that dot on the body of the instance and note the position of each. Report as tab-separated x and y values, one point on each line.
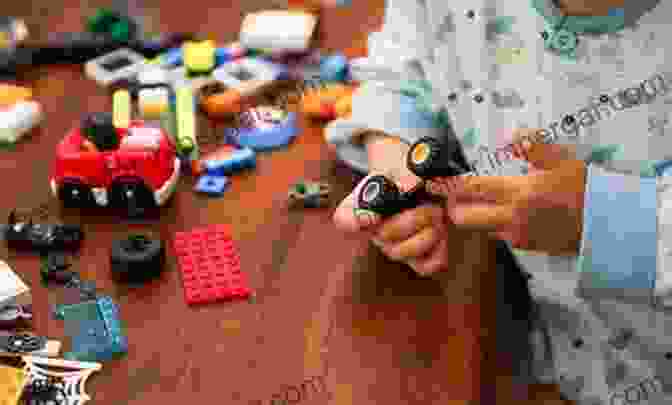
247	75
278	30
122	64
154	75
18	120
12	288
179	77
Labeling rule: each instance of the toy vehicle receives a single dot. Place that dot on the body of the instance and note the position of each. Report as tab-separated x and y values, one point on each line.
15	315
263	128
18	120
135	168
310	194
27	235
427	158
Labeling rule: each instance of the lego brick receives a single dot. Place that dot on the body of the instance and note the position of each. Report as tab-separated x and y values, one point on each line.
210	265
95	329
212	185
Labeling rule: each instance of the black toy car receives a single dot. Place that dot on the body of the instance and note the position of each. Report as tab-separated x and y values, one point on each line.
41	237
427	158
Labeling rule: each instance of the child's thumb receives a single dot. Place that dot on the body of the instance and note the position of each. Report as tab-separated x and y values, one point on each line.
350	218
544	156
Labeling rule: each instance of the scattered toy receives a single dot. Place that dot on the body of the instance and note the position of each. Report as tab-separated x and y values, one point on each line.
212	185
186	123
210	265
222	152
263	128
114	175
42	237
327	103
15	316
237	160
11	94
122	64
95	329
334	68
18	120
116	25
199	57
279	30
309	194
137	258
26	343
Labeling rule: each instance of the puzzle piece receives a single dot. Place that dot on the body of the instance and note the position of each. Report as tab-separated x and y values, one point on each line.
95	328
212	185
210	265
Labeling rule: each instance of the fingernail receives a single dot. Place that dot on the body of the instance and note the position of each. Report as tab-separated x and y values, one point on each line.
364	217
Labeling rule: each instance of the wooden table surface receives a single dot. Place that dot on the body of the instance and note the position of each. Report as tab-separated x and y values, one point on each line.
323	300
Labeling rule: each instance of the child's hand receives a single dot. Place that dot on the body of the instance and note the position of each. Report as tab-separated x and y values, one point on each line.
417	237
541	211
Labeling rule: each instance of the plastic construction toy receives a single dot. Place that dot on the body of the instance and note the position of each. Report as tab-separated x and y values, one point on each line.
239	82
199	57
15	315
290	30
122	64
212	185
137	258
226	164
25	343
18	120
41	237
11	94
95	328
210	265
118	172
427	158
328	103
309	194
185	115
263	128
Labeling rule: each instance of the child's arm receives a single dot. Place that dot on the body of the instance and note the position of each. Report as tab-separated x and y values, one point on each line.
624	240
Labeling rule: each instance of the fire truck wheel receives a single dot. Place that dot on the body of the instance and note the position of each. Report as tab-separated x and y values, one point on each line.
74	194
137	258
133	196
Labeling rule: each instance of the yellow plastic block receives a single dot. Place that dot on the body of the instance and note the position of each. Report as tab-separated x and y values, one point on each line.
199	56
12	381
121	109
11	94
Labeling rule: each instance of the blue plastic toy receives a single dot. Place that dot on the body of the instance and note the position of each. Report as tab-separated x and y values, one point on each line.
212	185
173	57
265	136
334	68
238	160
97	333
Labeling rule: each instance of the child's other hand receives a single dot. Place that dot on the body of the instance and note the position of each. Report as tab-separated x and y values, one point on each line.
540	211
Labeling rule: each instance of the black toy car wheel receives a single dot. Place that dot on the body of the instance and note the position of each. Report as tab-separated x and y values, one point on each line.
379	195
74	194
137	258
432	157
133	196
24	343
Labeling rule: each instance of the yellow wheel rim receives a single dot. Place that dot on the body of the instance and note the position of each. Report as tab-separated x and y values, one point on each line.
420	153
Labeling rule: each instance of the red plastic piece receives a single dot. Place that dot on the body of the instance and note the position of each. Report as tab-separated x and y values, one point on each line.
210	265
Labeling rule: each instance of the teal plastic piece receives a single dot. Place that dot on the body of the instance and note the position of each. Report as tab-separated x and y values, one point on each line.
95	328
612	22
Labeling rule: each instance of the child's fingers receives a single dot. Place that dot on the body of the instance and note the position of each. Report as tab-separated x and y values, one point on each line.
434	261
488	188
485	217
417	246
407	223
349	218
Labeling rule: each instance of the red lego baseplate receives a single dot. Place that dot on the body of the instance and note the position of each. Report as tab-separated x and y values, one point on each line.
210	265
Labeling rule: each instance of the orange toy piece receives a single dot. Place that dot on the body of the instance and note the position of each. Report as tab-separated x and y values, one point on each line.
11	94
222	104
327	103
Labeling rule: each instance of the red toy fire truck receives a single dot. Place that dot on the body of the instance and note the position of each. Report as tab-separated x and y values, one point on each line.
98	164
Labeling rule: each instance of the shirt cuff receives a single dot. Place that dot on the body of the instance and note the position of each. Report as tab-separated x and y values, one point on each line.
618	253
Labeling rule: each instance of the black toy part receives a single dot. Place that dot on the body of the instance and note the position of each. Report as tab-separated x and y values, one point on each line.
41	237
432	157
22	343
382	196
14	315
43	391
137	258
99	129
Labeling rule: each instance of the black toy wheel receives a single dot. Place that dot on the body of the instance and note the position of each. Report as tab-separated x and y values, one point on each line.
432	157
74	194
99	129
133	196
70	235
379	195
137	258
24	343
